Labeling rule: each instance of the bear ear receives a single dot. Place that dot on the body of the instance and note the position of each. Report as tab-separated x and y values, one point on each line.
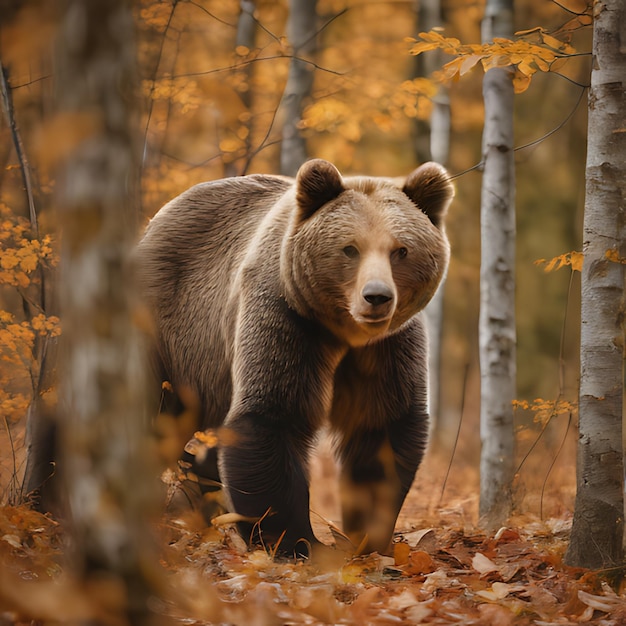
430	188
317	183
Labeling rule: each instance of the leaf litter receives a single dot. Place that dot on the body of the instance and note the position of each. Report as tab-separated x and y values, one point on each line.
440	572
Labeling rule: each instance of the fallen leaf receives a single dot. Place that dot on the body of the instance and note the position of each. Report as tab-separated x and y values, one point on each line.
424	539
401	553
600	603
495	615
12	540
419	562
499	591
483	565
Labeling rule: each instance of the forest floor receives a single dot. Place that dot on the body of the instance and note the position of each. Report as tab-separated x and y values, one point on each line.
444	570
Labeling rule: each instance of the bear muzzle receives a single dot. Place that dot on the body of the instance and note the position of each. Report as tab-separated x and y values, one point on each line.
377	293
376	304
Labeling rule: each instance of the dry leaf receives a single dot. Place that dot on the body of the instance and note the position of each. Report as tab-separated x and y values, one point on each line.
419	562
483	565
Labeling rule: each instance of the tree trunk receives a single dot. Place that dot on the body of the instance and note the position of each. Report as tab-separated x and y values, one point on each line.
102	417
432	143
302	29
246	38
597	531
497	281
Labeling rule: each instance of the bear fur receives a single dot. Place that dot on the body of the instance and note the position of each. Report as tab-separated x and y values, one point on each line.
289	305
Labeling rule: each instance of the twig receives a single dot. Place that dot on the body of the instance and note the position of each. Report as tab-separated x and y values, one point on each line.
7	102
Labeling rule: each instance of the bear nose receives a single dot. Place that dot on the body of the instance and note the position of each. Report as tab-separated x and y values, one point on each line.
377	292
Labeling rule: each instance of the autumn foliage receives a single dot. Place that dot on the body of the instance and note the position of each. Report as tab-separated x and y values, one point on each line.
533	51
441	572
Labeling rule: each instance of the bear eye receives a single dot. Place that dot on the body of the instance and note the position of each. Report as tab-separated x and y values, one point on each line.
351	252
401	252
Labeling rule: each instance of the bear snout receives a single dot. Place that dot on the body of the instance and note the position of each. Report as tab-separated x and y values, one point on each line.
376	304
376	293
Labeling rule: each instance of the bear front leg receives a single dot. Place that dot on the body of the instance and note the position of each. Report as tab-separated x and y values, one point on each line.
375	478
381	416
264	470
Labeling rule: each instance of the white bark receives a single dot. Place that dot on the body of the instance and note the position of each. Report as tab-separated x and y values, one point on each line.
598	525
497	282
433	144
302	29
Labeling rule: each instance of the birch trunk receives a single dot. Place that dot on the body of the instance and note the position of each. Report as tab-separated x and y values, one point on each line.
246	38
432	144
302	28
497	281
597	531
101	415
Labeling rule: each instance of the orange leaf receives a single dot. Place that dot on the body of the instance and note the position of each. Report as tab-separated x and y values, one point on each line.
521	82
423	46
420	562
576	261
401	552
613	255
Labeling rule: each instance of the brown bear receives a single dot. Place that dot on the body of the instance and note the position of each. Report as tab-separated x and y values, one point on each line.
287	305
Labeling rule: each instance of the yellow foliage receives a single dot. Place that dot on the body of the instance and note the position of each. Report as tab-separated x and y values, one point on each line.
20	254
574	259
17	338
157	15
533	51
13	405
544	410
231	144
384	105
46	325
181	91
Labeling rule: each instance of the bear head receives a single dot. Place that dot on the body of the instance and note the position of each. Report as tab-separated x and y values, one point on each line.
363	255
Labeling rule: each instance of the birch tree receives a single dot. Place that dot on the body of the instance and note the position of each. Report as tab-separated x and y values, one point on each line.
245	43
101	416
302	29
497	280
597	531
432	144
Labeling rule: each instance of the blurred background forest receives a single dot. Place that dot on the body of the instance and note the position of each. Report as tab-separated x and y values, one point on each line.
211	107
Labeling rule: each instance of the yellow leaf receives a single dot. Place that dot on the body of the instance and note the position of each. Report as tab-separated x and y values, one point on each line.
613	255
521	82
468	62
423	46
532	31
496	60
525	68
230	145
553	42
502	41
576	260
450	70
